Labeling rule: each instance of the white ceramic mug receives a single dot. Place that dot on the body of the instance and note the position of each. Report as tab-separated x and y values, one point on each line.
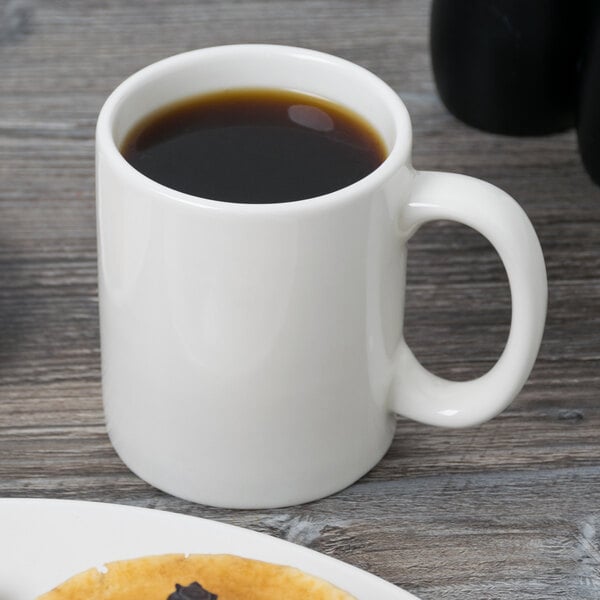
253	355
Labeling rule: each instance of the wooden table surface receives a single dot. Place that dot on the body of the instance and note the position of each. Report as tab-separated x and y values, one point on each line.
507	510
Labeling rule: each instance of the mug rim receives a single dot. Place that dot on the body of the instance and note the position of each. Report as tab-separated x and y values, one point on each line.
398	155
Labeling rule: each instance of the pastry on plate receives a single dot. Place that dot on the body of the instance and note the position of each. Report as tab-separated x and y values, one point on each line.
195	577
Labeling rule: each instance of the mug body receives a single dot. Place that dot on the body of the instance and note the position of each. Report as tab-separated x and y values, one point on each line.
247	350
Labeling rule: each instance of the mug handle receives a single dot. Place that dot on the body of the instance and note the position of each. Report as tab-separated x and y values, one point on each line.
425	397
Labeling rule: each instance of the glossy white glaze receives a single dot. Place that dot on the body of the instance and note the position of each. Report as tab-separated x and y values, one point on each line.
252	354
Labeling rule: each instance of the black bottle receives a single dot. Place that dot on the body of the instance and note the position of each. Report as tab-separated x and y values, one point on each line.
508	66
588	107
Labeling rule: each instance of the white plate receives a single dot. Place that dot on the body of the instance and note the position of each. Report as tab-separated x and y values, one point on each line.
43	542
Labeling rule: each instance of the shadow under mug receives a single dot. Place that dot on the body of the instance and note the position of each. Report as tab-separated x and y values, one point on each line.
253	355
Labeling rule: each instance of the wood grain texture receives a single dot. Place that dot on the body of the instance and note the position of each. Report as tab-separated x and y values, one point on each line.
508	510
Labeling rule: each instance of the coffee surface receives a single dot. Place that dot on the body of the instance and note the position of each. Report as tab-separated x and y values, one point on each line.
254	146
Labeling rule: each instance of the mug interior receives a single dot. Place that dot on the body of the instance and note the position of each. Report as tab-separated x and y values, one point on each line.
257	66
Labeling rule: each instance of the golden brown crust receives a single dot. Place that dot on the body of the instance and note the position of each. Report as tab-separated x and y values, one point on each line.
230	577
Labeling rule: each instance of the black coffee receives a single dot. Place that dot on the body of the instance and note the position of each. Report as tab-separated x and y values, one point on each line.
254	146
